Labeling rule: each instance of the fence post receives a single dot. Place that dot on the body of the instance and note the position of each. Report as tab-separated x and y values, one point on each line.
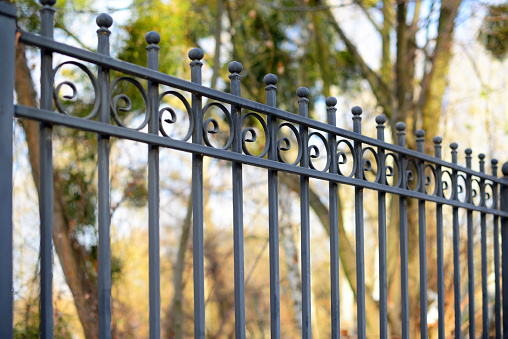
7	61
504	244
104	21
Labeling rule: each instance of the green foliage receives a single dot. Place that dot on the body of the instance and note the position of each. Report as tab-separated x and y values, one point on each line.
494	31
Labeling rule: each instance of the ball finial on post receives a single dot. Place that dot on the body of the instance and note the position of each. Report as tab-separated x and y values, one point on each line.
504	169
331	101
235	67
152	38
48	2
302	92
270	79
196	54
380	120
104	20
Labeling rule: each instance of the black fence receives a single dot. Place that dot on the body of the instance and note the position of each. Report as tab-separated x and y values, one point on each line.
405	173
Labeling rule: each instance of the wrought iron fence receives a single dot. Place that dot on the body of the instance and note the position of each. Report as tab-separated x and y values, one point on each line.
405	173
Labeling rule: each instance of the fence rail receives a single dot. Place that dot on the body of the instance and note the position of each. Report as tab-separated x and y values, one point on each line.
349	158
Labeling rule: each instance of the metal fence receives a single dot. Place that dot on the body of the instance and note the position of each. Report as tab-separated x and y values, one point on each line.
409	176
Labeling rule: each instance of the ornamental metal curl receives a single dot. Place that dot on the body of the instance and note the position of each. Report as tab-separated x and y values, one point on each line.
341	158
128	102
389	170
314	152
56	91
461	186
445	184
367	164
474	192
253	134
173	119
488	196
215	125
284	144
428	180
410	175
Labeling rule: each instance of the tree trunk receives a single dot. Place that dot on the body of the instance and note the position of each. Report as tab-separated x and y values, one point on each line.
71	254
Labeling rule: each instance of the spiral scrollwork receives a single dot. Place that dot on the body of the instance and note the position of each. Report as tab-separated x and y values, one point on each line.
284	144
389	171
367	163
412	181
249	134
475	192
447	184
115	101
428	180
489	196
461	187
314	152
56	92
341	158
215	125
173	118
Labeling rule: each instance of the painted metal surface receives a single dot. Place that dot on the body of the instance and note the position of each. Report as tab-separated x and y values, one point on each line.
368	157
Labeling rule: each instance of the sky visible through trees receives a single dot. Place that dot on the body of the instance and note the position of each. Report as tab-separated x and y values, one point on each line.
431	71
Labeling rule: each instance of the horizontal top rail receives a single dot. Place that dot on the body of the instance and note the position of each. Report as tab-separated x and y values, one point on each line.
164	79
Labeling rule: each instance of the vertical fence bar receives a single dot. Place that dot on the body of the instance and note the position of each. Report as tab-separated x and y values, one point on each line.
104	21
439	235
504	241
381	214
333	192
470	248
273	210
422	237
497	264
46	176
456	246
235	68
483	225
196	55
360	256
7	67
404	299
153	39
303	109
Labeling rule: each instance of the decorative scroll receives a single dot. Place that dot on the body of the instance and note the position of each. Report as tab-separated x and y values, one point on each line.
428	180
341	158
284	144
173	118
367	164
389	170
56	92
314	152
128	102
412	175
249	134
215	125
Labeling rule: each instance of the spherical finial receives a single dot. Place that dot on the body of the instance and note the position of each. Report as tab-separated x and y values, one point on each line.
357	110
48	2
494	162
152	38
468	151
270	79
481	156
437	140
504	169
331	101
235	67
196	54
103	20
400	126
454	146
302	92
420	133
380	119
